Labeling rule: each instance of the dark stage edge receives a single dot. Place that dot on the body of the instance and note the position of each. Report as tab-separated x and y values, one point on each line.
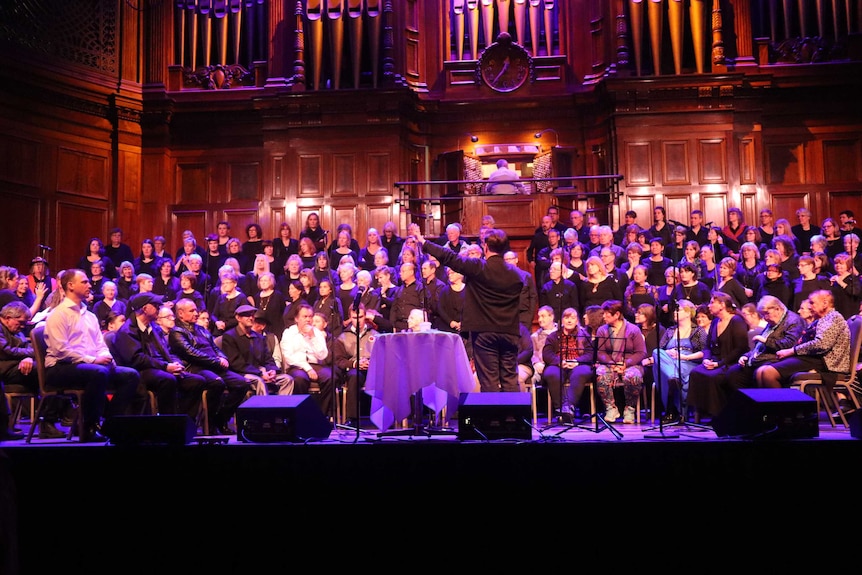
249	508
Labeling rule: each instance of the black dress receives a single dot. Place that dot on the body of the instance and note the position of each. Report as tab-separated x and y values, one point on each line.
597	294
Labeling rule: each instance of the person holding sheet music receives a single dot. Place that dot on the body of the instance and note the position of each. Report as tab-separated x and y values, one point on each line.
621	351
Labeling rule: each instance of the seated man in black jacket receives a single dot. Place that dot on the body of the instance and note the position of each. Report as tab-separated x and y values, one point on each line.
196	348
139	344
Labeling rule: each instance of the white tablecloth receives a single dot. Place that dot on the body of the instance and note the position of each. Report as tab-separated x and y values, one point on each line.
403	363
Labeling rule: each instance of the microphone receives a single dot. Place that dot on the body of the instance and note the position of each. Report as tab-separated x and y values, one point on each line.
676	223
46	248
359	293
708	224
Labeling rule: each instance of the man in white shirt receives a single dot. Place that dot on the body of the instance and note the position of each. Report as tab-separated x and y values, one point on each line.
305	353
77	357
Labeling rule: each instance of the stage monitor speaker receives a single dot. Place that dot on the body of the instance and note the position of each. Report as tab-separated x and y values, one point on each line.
768	414
494	415
280	418
149	429
855	423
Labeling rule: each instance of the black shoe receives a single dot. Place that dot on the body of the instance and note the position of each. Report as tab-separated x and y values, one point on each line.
225	430
93	435
354	423
12	436
48	431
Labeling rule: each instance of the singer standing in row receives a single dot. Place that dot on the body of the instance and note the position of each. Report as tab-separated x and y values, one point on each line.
492	308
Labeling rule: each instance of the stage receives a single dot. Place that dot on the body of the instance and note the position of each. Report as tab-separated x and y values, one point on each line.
240	507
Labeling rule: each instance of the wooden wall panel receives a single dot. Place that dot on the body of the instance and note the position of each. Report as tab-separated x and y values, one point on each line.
22	246
194	220
678	207
276	217
714	207
19	161
750	209
643	206
379	214
277	184
130	173
785	205
346	214
747	161
310	176
83	174
239	217
343	175
379	174
712	161
674	163
842	161
785	163
639	166
518	215
245	182
192	183
76	224
846	200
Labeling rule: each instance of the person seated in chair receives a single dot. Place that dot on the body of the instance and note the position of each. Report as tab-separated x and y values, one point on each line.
621	351
783	329
824	347
140	344
248	354
196	348
568	356
506	177
18	371
77	357
305	353
353	364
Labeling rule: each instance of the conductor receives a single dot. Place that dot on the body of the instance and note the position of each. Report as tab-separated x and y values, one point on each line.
491	309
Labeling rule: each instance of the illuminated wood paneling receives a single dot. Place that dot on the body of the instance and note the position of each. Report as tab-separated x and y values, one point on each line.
343	175
785	163
82	173
310	176
193	183
712	161
747	161
245	183
842	161
639	166
674	163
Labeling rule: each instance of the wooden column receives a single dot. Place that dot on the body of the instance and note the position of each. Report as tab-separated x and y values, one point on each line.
158	45
278	43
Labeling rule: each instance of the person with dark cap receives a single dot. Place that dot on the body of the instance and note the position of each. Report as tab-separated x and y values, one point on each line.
140	345
197	349
248	354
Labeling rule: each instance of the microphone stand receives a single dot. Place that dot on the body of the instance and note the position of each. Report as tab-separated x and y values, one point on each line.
359	376
601	423
671	306
682	421
564	375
